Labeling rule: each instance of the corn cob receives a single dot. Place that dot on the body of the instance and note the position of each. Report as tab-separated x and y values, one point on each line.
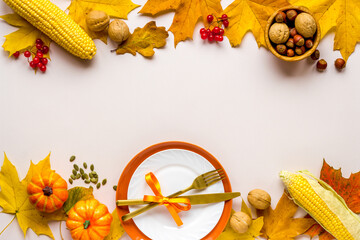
56	24
322	202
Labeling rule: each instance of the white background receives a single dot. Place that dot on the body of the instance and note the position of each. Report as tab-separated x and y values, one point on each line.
256	114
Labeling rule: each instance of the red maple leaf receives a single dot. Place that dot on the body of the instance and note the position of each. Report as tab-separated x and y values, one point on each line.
347	188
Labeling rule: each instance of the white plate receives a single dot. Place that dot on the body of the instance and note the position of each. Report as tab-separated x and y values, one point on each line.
175	169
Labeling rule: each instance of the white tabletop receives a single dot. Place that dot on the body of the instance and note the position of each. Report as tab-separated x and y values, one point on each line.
256	114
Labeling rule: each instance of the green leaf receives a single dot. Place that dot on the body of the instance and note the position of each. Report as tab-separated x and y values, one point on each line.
76	194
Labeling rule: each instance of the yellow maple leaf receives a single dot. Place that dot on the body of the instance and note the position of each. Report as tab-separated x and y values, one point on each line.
339	15
14	200
250	15
116	230
187	14
78	10
24	38
279	224
143	40
252	233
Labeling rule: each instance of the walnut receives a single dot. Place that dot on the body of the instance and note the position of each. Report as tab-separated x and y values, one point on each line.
259	199
305	25
240	222
279	33
97	20
118	31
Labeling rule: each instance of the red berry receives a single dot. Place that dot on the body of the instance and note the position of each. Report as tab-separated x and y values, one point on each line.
216	30
219	38
16	54
204	36
32	64
39	55
226	23
208	31
221	31
38	46
39	41
211	37
45	49
44	61
210	18
42	68
27	54
36	60
202	30
224	17
39	65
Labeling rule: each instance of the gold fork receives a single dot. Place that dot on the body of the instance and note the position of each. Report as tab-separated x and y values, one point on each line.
201	182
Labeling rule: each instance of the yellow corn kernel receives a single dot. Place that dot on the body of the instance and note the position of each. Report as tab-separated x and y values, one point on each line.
56	24
323	204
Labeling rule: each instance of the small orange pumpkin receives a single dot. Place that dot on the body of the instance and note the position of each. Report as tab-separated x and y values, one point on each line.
48	191
89	220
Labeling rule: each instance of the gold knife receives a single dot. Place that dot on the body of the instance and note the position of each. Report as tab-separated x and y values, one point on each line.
194	199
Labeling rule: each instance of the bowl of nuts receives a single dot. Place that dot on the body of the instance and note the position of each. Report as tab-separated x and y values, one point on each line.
292	33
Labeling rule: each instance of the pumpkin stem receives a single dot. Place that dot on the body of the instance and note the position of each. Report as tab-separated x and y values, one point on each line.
86	224
47	191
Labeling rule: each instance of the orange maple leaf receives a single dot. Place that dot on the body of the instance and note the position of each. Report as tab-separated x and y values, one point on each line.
347	188
279	224
187	14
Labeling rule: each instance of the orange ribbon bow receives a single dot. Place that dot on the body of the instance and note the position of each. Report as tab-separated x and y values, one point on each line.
173	204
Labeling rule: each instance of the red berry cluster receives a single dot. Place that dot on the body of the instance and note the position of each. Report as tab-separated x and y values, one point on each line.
216	34
38	60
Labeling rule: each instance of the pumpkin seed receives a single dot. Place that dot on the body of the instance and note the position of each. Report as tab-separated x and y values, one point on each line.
73	176
104	182
76	167
94	180
87	181
98	185
78	176
92	167
70	181
94	174
85	165
74	171
115	187
82	171
85	176
72	158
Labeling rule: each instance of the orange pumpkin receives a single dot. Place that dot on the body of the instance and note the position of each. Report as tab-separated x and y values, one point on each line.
89	220
47	191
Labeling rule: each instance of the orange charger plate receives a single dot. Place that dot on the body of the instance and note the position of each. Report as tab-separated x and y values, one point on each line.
122	188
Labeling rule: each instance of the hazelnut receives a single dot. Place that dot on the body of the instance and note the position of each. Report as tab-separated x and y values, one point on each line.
280	17
340	64
309	43
118	31
279	33
259	199
315	55
290	53
300	50
240	222
321	65
97	20
290	43
291	14
305	25
281	49
299	40
293	32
